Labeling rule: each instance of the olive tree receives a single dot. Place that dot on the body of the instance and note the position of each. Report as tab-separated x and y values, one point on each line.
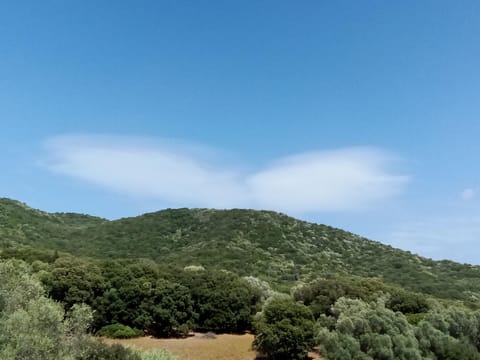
360	330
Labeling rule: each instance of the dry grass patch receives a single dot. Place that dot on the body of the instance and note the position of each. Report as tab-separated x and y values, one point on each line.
224	347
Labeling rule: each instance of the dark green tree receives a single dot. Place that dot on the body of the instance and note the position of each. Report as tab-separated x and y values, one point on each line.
170	310
74	281
285	330
223	301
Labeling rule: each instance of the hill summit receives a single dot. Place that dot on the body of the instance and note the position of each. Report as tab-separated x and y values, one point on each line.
268	245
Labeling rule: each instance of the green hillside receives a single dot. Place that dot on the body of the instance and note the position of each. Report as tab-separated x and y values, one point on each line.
20	224
268	245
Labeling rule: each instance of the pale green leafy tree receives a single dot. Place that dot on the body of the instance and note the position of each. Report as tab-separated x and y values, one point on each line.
361	330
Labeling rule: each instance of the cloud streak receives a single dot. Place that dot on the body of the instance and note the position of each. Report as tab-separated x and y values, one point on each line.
184	175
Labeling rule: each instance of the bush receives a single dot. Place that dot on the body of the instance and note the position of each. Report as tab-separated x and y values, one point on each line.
119	331
414	319
284	330
156	355
95	350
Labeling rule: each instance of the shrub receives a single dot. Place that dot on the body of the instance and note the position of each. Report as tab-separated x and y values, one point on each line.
96	350
119	331
156	355
414	319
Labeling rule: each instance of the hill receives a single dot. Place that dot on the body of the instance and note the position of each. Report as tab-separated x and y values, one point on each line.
268	245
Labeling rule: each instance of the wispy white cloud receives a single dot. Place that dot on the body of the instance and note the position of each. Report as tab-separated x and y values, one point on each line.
184	175
174	172
342	179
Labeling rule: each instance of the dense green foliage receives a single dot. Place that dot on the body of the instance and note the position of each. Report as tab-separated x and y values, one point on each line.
142	295
224	302
119	331
168	273
267	245
35	327
285	330
322	293
360	330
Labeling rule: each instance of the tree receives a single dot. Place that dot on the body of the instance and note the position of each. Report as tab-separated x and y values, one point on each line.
35	327
223	301
449	333
360	330
284	330
73	281
169	310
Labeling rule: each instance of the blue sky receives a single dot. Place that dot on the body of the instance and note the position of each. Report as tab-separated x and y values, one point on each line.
361	115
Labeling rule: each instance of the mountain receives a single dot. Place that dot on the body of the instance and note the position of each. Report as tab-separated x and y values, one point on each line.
265	244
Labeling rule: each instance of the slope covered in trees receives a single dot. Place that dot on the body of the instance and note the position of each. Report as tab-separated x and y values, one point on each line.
267	245
297	286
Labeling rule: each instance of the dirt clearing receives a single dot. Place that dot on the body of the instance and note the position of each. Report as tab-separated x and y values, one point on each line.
224	347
